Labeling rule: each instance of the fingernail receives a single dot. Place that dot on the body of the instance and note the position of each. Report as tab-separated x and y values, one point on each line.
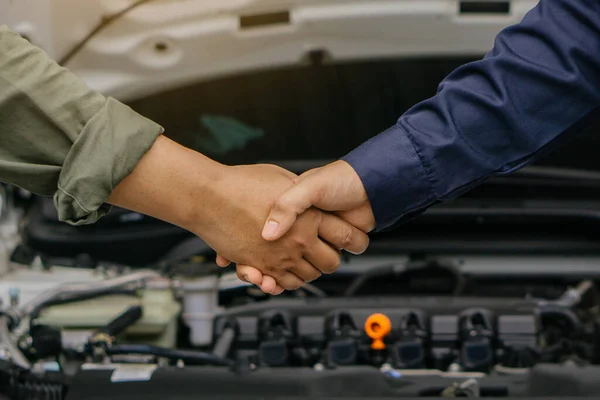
354	253
245	278
270	229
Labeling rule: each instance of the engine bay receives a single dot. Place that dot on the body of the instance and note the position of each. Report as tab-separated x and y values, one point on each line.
115	333
493	296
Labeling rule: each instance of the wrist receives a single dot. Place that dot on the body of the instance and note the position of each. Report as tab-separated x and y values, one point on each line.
354	181
171	183
203	196
199	192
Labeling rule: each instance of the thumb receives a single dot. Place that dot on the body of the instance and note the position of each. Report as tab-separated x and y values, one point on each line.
290	205
308	173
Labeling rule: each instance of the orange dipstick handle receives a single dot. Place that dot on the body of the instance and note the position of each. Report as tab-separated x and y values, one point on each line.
377	327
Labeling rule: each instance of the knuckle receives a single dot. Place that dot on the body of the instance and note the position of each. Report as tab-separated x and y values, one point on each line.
280	262
300	242
277	272
313	213
283	206
314	216
346	237
290	281
308	273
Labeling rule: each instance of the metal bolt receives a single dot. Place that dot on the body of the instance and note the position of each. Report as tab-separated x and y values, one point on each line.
252	366
386	367
13	294
319	367
5	354
25	342
163	362
454	367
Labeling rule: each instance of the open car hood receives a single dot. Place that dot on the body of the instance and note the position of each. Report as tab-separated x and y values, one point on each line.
133	50
496	296
159	45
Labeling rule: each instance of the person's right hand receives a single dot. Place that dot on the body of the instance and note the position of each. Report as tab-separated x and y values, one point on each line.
227	207
335	187
243	198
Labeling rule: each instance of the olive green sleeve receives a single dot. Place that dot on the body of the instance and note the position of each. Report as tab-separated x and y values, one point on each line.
60	138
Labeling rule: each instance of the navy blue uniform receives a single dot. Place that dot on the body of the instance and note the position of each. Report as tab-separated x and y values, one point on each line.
537	87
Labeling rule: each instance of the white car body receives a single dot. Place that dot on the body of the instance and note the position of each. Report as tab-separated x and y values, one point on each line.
163	44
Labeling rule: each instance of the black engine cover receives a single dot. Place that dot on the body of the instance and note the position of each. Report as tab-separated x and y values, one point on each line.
351	382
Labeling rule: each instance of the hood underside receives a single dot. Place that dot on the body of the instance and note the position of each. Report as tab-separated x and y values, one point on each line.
149	46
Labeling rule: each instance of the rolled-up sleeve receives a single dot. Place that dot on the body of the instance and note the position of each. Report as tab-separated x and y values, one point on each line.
60	138
536	88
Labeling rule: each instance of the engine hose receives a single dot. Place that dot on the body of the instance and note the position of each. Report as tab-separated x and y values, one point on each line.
384	270
73	290
184	355
394	269
35	313
77	291
564	313
119	324
315	291
224	342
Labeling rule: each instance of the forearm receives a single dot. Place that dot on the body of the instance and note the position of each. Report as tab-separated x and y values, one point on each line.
535	89
58	137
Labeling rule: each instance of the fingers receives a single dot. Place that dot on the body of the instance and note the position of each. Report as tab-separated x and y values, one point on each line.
306	269
266	283
222	261
323	257
249	274
297	179
335	187
269	286
342	235
292	203
290	281
361	217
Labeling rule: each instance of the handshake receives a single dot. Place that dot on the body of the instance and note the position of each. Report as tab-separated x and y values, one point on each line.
283	230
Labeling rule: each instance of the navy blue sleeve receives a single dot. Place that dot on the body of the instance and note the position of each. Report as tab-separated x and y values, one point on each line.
532	91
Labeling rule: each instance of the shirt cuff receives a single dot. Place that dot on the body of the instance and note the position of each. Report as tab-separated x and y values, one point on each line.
107	150
396	181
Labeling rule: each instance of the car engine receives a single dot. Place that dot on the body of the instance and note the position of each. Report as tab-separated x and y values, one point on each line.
494	296
110	332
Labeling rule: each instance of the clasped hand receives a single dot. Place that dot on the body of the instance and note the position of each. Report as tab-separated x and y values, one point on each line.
309	220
